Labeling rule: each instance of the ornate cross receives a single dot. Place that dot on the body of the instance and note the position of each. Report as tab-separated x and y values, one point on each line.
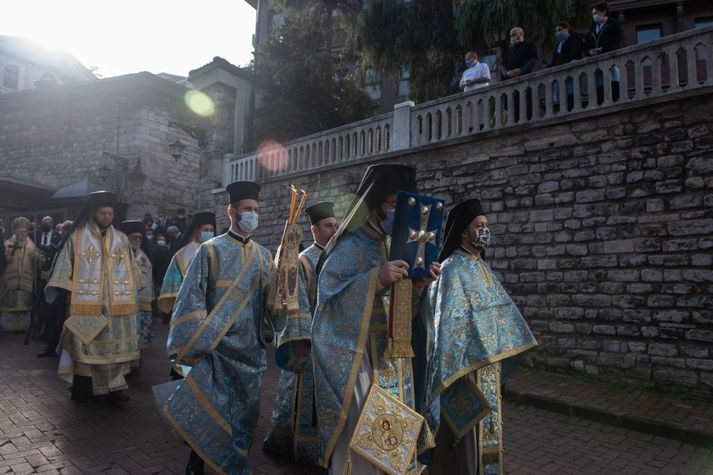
423	235
90	253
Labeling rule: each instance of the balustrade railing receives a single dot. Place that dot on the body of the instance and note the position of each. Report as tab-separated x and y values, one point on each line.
663	67
368	138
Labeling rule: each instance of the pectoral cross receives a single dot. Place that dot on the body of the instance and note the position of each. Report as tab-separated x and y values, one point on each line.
90	253
422	236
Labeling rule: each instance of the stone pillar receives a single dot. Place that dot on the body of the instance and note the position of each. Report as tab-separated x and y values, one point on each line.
402	125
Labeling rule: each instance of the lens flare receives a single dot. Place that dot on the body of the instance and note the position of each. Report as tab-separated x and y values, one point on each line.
272	156
200	103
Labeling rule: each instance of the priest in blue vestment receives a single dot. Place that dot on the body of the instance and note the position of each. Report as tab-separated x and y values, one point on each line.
349	327
219	329
201	228
478	334
293	428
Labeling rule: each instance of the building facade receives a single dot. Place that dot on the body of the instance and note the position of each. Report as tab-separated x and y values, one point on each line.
25	65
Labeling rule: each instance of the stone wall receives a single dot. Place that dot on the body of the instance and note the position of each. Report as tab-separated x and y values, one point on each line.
57	137
603	229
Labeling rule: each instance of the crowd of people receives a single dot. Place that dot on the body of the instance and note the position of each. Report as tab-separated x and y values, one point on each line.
30	249
604	35
429	379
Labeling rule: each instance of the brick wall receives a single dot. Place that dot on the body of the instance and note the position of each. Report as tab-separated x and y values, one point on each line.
603	230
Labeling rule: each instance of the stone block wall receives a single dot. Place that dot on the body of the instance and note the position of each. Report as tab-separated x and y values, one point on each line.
58	137
603	233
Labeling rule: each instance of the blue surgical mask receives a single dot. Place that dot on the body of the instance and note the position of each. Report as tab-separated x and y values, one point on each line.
206	235
469	63
248	222
560	35
597	18
388	222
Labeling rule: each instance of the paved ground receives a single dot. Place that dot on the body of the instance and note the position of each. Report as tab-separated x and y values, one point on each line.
42	431
637	404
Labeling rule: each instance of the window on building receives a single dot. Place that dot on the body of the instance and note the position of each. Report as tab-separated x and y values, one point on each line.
648	33
11	78
404	82
372	84
704	22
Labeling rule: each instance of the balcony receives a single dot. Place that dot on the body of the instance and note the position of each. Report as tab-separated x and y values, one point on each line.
657	71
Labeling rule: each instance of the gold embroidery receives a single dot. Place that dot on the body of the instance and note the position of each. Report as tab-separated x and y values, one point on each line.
117	255
387	432
90	253
461	402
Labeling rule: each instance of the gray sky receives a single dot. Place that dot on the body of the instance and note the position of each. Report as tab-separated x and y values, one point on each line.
127	36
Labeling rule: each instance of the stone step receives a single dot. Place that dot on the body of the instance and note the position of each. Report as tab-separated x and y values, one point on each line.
641	410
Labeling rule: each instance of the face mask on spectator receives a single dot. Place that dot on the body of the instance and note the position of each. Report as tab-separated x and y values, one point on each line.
597	18
560	35
514	40
161	242
470	63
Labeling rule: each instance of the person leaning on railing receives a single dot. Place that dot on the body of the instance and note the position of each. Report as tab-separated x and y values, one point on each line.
603	37
521	58
568	48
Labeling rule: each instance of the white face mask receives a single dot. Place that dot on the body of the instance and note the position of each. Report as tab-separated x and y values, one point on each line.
249	221
206	235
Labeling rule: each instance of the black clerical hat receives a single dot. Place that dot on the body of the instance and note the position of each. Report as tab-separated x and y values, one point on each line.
204	217
380	181
101	199
133	226
243	190
319	211
197	220
459	217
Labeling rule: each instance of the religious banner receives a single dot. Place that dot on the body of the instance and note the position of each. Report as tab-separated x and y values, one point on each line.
416	239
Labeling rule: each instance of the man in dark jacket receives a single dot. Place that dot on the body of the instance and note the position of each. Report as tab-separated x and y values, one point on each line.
49	316
522	55
568	49
569	45
521	59
603	37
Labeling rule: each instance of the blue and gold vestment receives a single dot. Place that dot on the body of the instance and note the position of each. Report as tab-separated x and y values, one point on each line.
477	327
215	329
349	337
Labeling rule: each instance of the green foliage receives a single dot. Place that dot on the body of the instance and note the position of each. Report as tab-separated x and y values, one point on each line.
301	87
429	37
